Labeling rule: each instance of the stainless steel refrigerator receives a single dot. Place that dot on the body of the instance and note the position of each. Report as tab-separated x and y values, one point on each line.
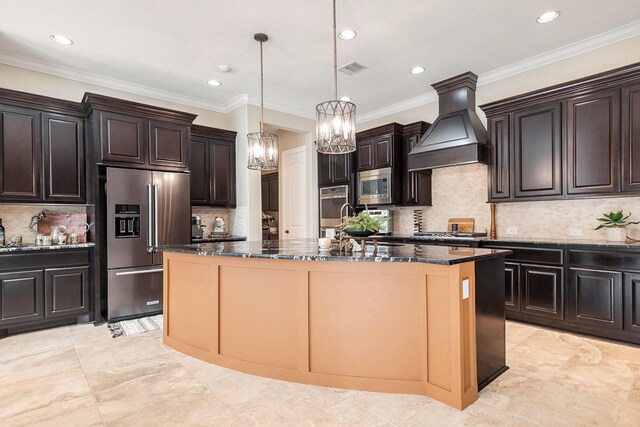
145	209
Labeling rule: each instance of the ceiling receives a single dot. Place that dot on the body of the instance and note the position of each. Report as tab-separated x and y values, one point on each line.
172	48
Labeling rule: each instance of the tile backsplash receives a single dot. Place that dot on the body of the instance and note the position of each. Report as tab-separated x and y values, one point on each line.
461	191
16	218
209	214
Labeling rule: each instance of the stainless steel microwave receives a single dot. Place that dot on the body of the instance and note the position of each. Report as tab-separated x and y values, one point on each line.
374	187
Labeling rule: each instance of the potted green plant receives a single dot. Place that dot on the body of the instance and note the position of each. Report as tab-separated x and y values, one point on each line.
361	225
273	225
615	223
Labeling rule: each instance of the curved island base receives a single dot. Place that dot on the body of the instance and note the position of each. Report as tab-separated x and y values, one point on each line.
407	327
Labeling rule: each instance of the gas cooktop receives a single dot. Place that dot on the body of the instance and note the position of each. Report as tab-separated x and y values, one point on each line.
448	235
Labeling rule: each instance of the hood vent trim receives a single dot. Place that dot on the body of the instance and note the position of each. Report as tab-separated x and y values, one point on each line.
457	136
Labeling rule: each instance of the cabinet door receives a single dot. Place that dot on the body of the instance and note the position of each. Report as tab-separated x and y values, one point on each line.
593	143
382	152
20	154
200	171
595	298
365	155
542	290
66	291
537	151
121	138
265	194
273	194
512	286
64	163
500	158
168	145
324	169
340	168
632	302
631	138
223	174
21	297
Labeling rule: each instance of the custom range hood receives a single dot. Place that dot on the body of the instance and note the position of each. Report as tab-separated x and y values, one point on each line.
457	137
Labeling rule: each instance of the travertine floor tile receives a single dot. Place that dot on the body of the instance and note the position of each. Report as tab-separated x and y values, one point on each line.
394	408
344	414
77	411
511	393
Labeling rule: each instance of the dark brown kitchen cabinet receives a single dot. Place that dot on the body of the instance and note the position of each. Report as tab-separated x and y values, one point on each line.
500	158
416	185
631	299
270	201
21	297
375	153
212	162
631	138
334	169
20	154
122	138
595	298
66	291
537	152
542	291
168	144
199	167
512	286
64	158
593	143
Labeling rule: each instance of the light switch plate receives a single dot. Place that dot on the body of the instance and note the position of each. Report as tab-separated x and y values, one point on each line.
512	231
465	288
577	232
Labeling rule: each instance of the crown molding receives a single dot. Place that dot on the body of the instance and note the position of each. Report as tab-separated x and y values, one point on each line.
594	42
398	107
238	101
282	108
94	79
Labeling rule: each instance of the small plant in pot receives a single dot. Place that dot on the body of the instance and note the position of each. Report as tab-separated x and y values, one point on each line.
615	223
361	225
273	225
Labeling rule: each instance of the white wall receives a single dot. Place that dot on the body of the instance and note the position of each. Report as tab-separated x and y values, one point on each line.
462	191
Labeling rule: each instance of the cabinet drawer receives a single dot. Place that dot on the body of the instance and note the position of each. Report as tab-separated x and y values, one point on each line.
628	261
44	258
532	255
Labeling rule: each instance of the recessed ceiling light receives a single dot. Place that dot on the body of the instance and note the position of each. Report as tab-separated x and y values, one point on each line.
59	38
347	34
548	17
224	68
214	82
345	99
417	70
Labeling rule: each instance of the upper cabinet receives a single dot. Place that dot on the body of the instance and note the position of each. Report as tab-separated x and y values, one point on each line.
574	140
42	149
334	169
416	185
137	135
378	151
212	162
270	192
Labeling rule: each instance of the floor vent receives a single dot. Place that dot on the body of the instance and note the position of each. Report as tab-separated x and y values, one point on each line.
351	68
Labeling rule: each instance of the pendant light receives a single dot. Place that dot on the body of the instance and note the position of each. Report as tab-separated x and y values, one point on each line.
335	120
262	150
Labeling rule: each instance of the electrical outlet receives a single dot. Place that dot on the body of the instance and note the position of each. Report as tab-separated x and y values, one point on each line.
512	231
576	232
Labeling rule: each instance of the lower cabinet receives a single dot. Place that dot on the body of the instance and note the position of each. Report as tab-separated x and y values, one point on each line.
595	298
542	290
631	298
44	287
512	287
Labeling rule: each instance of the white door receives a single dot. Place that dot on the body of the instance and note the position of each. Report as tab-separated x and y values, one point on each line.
293	197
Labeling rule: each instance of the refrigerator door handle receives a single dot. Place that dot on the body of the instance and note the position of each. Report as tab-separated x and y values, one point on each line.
155	214
130	273
149	220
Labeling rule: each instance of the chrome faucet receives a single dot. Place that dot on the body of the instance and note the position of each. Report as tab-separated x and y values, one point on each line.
342	217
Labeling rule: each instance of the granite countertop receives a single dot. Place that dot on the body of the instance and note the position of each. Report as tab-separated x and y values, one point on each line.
29	248
219	239
307	250
515	240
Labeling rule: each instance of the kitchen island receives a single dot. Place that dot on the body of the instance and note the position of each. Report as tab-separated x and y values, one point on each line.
404	318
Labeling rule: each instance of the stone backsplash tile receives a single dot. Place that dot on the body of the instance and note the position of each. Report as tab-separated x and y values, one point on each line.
461	191
209	214
16	218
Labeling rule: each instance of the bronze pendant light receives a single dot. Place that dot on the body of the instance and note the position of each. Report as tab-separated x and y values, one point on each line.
335	120
262	148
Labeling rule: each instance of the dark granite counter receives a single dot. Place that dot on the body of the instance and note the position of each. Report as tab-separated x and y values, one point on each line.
219	239
307	249
31	248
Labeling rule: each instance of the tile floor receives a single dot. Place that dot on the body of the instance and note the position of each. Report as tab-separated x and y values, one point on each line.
80	376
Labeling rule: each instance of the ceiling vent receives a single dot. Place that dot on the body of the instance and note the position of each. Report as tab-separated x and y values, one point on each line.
351	68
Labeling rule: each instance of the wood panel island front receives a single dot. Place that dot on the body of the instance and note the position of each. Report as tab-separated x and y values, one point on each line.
407	318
